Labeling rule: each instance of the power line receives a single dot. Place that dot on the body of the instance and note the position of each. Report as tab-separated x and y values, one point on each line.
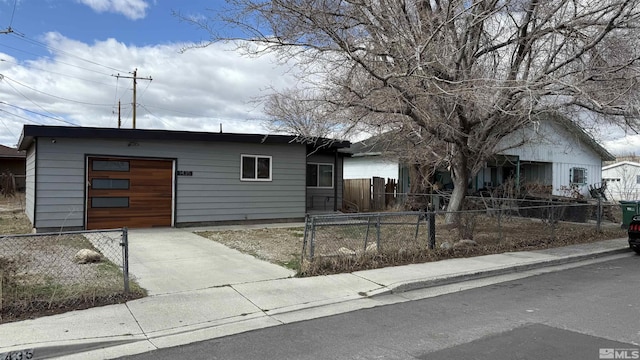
28	99
33	41
57	73
21	117
159	119
51	95
135	79
57	61
37	113
15	2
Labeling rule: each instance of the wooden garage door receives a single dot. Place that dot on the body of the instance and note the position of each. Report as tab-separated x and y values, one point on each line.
135	193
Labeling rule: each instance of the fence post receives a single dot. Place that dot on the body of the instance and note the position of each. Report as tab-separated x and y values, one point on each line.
304	238
599	215
366	234
312	244
553	223
378	232
431	215
500	222
125	259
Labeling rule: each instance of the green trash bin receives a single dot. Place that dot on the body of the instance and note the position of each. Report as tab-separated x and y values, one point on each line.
629	209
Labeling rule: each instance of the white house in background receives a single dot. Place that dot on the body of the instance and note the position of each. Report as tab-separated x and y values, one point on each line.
558	154
623	180
368	159
553	154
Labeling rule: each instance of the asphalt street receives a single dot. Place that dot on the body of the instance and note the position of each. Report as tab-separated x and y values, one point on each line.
588	312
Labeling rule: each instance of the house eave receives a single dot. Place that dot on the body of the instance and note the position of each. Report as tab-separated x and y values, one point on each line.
31	132
621	163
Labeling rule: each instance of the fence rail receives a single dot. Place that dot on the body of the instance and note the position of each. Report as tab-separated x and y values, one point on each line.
498	224
45	271
361	233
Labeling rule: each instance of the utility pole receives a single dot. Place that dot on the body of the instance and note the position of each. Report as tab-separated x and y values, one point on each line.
135	78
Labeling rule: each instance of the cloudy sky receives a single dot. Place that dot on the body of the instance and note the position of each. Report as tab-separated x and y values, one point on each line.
58	66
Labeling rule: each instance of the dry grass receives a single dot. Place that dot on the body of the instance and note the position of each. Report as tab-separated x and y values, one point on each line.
281	246
38	274
12	216
399	246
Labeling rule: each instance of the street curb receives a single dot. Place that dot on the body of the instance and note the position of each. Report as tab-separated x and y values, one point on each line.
447	280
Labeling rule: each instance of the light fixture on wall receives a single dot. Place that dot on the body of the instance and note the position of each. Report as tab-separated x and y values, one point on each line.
133	143
53	141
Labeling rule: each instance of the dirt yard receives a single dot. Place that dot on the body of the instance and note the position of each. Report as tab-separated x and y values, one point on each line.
281	246
399	245
39	275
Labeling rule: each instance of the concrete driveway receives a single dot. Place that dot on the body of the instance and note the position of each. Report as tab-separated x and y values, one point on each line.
166	260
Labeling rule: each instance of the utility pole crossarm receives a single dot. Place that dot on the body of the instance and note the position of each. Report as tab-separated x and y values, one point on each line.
135	78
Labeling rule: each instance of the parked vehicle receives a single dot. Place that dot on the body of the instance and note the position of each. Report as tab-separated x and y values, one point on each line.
634	234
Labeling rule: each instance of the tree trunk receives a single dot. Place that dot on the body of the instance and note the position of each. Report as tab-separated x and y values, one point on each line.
420	186
460	177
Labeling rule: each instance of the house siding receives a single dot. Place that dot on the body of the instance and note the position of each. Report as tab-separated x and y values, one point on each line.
552	144
322	199
366	167
30	184
622	181
214	192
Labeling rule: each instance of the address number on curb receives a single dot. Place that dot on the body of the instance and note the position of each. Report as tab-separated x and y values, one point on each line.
17	355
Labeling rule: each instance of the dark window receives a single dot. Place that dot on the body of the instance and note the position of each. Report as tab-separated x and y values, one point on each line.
110	165
264	168
320	175
578	176
312	175
255	167
109	202
248	167
110	184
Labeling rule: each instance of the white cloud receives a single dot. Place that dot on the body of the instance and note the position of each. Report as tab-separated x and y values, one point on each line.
132	9
627	145
197	90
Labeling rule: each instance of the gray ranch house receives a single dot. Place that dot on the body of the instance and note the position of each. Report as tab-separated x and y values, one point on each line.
96	178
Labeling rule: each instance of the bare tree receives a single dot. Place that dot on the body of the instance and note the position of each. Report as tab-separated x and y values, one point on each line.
462	74
300	112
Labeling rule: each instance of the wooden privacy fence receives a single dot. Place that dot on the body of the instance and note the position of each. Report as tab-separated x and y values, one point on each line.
357	192
369	194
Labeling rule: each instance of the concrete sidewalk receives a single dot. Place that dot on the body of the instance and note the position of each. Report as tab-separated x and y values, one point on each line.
177	318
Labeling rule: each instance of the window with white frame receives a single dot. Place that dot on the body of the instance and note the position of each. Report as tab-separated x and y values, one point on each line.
320	175
255	168
578	176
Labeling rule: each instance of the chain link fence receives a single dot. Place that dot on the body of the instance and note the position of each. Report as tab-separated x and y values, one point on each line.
53	272
348	242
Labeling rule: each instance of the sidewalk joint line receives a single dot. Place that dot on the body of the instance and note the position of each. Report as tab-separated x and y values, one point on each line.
256	305
144	333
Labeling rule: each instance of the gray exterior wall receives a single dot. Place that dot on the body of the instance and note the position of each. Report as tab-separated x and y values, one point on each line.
30	183
214	193
322	199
